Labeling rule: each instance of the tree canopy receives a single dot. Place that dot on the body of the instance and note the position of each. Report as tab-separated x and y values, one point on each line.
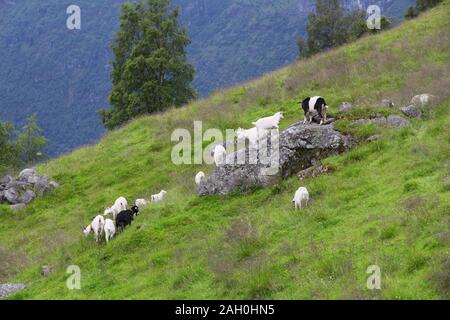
150	69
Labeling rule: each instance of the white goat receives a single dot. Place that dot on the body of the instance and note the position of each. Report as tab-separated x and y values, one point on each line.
140	203
421	99
199	177
159	197
110	229
219	155
269	122
120	205
301	195
97	226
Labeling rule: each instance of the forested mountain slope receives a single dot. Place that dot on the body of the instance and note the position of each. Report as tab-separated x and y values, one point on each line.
64	75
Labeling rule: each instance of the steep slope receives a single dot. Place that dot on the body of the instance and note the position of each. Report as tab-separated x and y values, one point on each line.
387	203
64	75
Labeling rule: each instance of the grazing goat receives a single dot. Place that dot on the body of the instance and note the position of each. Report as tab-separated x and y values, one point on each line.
219	155
120	204
124	218
312	104
97	226
159	197
110	230
269	122
301	195
199	177
140	203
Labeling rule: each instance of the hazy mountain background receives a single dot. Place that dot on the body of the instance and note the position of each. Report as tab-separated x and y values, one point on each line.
63	75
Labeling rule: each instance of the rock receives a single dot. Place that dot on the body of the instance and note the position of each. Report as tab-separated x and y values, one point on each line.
411	111
42	186
2	196
6	179
18	185
393	121
396	121
300	146
315	171
386	103
345	107
25	174
9	288
27	197
374	137
54	184
18	206
45	271
12	196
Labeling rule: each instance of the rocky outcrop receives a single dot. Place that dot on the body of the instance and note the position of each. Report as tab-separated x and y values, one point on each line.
412	111
345	107
24	189
8	289
387	103
300	146
393	121
315	171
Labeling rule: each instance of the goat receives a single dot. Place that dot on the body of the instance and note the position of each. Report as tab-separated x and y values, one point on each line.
140	203
124	218
97	226
301	195
219	155
312	104
159	197
199	177
110	230
269	122
120	204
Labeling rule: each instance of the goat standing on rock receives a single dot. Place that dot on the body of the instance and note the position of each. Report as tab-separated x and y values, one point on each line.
311	104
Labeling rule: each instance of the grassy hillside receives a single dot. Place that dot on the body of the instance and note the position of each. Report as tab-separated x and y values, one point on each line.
387	203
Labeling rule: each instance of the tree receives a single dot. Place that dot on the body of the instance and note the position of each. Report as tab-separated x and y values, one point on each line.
330	26
30	141
421	5
411	13
326	26
150	71
9	153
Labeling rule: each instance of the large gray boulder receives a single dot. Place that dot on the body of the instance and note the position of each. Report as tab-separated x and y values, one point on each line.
387	103
26	174
411	111
9	288
393	121
300	146
345	107
27	197
6	179
12	196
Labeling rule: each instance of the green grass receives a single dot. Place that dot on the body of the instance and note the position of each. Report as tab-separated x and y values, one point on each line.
387	203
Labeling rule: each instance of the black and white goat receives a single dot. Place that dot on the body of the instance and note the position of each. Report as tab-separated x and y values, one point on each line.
315	103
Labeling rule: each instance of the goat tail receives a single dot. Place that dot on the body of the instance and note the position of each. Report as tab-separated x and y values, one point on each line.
254	123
